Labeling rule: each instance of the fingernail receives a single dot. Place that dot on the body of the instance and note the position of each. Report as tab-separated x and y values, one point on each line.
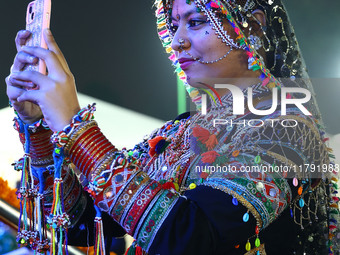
31	59
48	31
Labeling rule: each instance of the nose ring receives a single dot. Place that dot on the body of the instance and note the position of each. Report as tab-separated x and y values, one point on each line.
181	42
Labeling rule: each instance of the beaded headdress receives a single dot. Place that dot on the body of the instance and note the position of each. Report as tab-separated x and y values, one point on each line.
282	52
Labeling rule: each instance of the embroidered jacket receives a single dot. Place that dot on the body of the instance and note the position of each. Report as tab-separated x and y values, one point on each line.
198	187
169	190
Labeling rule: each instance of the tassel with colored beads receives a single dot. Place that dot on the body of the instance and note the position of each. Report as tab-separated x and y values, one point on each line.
99	245
58	219
42	245
31	234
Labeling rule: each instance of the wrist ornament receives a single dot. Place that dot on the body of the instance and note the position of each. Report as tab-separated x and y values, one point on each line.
39	146
35	138
84	144
61	138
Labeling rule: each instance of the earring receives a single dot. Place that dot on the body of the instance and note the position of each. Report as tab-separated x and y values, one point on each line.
251	63
255	41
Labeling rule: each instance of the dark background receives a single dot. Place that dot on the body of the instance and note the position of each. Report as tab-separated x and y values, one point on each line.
113	50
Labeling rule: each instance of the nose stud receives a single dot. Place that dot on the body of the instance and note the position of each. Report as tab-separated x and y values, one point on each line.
181	42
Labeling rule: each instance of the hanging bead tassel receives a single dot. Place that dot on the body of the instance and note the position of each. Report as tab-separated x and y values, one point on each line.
99	245
42	245
29	233
26	194
58	219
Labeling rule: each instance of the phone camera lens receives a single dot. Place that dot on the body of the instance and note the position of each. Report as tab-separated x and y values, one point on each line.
32	16
31	9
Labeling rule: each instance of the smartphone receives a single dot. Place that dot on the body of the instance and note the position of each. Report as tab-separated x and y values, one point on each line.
37	19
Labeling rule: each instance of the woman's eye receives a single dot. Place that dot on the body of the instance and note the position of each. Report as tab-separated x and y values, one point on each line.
191	23
194	23
173	28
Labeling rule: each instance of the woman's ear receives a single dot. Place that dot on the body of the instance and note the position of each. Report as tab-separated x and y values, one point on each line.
258	19
260	16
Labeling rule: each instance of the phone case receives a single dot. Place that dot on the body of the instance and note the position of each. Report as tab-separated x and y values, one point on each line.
37	19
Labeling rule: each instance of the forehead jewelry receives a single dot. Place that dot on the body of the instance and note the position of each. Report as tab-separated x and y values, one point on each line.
217	25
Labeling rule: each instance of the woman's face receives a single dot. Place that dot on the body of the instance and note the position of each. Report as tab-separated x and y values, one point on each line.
200	41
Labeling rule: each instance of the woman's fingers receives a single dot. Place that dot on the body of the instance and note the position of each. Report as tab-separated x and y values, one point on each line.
26	79
55	96
54	66
53	46
29	112
21	38
21	59
21	84
30	96
13	91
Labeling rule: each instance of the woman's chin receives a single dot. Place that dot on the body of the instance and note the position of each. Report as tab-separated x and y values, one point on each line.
200	82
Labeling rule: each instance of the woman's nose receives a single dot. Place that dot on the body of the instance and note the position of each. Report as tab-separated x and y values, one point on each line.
180	41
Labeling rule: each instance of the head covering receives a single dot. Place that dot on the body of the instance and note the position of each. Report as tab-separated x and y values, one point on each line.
283	66
284	62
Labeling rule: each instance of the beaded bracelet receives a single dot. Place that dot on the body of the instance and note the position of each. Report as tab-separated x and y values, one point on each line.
32	128
61	138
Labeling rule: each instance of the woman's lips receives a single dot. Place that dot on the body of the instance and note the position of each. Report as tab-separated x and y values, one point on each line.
185	62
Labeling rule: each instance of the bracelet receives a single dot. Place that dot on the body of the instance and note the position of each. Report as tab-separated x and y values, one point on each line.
42	161
61	138
85	136
83	142
95	149
103	164
84	126
33	128
40	147
90	147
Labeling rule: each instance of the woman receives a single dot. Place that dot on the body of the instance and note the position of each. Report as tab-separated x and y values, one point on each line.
160	191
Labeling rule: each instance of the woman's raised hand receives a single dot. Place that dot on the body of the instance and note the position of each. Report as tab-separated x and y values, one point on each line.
55	93
28	111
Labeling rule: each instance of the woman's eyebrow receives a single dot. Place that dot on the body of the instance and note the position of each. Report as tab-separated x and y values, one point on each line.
185	15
